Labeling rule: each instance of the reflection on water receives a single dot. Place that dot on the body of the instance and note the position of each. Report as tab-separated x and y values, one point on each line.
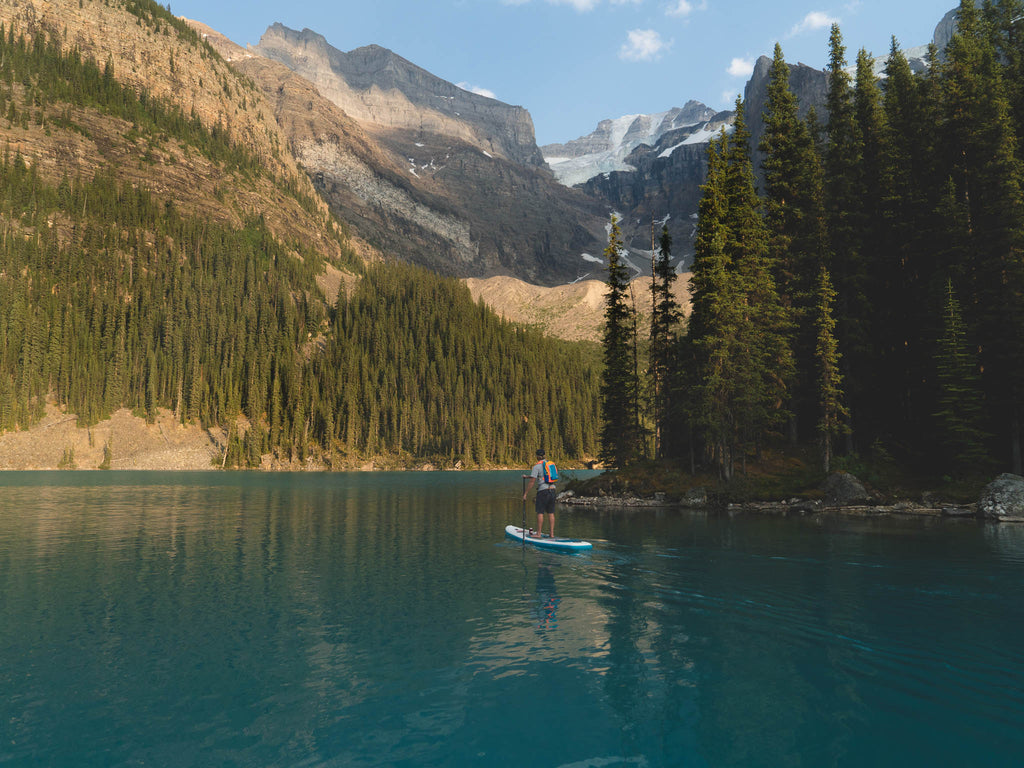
547	597
210	618
1007	540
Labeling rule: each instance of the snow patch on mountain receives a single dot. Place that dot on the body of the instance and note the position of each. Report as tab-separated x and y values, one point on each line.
608	147
703	136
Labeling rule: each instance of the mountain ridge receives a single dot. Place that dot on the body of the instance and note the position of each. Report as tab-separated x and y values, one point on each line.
376	85
442	198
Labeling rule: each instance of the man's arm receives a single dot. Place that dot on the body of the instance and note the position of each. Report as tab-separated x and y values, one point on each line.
529	485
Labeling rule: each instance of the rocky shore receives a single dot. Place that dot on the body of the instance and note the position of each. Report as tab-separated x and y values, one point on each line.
1001	501
127	441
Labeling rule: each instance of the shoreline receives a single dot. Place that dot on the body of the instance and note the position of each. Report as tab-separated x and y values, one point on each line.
794	508
127	442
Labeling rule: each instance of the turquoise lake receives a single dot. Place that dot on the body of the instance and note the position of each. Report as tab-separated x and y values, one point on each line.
382	619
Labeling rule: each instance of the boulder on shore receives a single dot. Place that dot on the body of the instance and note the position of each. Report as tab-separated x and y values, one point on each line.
842	489
1003	499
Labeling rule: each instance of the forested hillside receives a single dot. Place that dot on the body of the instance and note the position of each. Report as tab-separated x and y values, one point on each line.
152	257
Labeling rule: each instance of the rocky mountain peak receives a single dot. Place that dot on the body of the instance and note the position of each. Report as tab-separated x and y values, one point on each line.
376	86
609	146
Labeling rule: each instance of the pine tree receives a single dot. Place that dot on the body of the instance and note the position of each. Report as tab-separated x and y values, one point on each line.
794	213
764	330
713	319
960	405
620	432
738	329
844	203
665	318
832	412
900	274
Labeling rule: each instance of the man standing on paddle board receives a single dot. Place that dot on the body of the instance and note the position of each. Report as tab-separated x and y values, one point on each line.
545	501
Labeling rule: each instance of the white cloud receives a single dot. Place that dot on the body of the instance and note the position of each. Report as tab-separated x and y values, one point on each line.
579	5
642	45
812	21
477	90
741	68
685	7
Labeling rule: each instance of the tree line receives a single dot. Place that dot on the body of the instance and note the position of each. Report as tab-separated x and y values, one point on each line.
868	295
111	298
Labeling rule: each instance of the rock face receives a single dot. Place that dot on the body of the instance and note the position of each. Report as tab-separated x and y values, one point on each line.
809	85
1003	499
648	169
376	86
664	187
423	170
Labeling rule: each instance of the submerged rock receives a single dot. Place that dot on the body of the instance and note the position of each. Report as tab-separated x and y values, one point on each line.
1003	499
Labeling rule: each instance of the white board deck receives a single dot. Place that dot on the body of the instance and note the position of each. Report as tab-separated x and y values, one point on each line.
545	541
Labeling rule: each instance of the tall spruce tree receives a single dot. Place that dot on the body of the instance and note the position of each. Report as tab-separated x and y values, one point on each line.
714	316
959	416
665	319
620	430
832	412
764	330
794	212
874	310
843	154
900	273
738	327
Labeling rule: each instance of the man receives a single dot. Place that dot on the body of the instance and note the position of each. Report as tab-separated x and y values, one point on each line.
545	501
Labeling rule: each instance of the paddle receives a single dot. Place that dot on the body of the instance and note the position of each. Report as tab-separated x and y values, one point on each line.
524	513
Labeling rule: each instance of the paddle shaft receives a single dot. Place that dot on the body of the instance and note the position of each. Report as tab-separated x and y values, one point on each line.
524	512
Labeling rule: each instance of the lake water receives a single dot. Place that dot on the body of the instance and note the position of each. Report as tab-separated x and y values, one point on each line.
212	619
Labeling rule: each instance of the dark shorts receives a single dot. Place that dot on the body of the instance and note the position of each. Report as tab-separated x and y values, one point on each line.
546	501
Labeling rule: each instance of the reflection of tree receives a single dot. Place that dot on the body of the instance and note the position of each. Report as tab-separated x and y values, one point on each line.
287	608
626	682
712	656
761	696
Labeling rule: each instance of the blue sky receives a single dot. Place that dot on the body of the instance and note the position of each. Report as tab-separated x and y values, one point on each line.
572	63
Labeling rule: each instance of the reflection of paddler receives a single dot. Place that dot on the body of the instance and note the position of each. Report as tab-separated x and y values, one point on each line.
548	596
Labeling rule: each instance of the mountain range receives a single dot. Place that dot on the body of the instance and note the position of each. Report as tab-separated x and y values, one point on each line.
431	173
421	170
427	172
424	170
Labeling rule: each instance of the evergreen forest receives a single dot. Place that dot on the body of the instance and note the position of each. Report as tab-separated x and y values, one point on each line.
111	297
859	275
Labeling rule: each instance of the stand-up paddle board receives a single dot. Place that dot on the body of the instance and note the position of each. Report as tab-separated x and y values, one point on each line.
546	542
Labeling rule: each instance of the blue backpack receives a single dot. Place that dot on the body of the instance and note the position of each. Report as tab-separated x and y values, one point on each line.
550	472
